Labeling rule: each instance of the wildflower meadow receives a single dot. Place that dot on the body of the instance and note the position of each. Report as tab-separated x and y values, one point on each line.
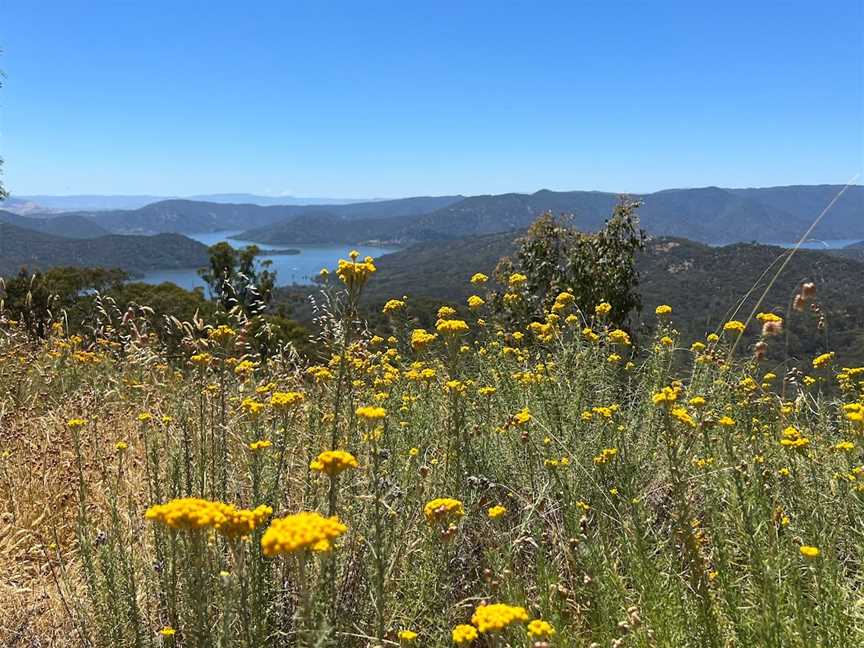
496	480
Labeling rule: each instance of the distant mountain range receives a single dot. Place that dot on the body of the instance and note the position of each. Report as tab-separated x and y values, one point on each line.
21	247
48	203
189	216
710	215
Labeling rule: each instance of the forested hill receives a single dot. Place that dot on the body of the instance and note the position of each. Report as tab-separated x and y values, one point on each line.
20	247
68	225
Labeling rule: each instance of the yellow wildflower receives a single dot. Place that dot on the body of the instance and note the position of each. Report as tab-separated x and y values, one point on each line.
371	413
822	360
305	531
497	616
540	629
734	325
392	306
464	634
333	462
496	511
809	552
451	326
443	509
284	400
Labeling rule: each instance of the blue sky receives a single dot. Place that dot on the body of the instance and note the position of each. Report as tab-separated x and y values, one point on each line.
370	98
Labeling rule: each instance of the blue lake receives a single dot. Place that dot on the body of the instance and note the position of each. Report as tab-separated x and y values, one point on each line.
290	268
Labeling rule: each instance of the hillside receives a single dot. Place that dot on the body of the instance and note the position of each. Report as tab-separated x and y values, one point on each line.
852	251
23	247
710	215
327	227
68	225
807	201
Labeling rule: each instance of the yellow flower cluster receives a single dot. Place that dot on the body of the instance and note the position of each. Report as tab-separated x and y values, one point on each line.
562	301
305	531
354	273
252	406
443	509
392	306
769	317
522	417
451	327
735	326
589	335
201	359
261	444
666	396
682	415
479	278
496	512
333	462
809	552
420	339
663	309
244	368
540	629
75	423
602	309
475	301
605	456
191	513
371	413
319	374
464	634
823	360
792	438
619	337
854	412
221	333
284	400
517	279
497	616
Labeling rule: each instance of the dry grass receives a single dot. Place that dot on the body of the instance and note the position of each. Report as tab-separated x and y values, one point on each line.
38	499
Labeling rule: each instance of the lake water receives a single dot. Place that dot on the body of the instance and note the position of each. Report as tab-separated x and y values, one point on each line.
290	268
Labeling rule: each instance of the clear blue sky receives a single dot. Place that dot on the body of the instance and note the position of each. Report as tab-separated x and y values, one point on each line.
369	98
